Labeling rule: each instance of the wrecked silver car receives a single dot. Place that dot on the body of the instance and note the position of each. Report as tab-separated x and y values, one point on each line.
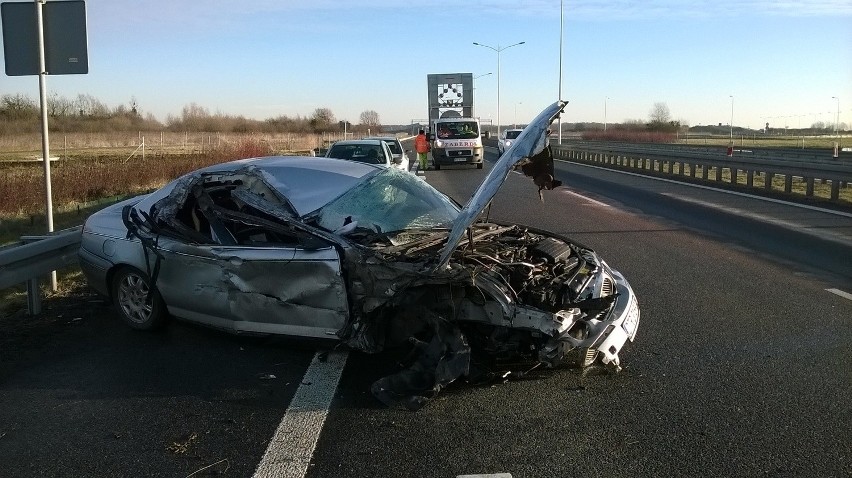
373	257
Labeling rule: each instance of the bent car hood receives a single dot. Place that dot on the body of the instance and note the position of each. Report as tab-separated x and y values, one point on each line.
529	143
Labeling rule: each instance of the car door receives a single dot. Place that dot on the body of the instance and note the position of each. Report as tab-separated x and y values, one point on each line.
282	289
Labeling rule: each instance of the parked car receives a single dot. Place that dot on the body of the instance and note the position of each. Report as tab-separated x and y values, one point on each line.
506	138
367	255
400	154
370	151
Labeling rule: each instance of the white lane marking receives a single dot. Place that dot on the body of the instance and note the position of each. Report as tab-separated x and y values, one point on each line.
845	295
725	191
585	198
493	475
292	446
822	234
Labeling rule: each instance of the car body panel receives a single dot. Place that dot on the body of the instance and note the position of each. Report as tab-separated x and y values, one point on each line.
241	288
374	257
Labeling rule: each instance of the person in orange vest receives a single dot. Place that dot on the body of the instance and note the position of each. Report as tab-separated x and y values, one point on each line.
421	145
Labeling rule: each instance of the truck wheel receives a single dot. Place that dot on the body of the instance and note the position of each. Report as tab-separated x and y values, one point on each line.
437	167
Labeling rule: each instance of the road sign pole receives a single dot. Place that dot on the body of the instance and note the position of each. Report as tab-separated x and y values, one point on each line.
45	143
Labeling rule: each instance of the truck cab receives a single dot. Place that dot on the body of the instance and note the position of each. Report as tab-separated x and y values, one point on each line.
456	141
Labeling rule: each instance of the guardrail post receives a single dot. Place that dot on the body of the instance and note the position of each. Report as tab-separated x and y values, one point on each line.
33	297
809	186
768	177
718	174
734	172
750	178
835	190
788	183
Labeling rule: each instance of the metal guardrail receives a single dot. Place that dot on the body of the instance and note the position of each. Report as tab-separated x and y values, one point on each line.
677	162
34	256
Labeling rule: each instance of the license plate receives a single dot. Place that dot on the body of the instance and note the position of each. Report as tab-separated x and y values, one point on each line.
461	160
631	322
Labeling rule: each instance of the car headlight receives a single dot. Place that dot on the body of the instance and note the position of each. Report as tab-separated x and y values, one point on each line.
508	143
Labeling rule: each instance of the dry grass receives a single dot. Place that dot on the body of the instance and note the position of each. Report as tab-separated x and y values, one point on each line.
74	145
759	141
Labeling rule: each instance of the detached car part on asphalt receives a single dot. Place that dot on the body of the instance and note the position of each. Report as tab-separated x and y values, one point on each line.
372	256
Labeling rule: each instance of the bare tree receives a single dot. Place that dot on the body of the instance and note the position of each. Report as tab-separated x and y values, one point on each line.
88	105
58	106
370	118
322	119
18	106
660	113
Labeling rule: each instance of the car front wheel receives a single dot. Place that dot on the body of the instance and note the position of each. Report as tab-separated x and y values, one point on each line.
138	303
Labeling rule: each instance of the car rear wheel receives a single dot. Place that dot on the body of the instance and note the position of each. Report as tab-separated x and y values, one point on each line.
478	165
138	303
437	166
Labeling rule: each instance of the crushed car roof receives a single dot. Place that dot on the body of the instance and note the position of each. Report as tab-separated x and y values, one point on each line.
328	177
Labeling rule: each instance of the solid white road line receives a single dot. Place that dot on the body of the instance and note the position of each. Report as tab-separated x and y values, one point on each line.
292	446
585	198
823	234
493	475
845	295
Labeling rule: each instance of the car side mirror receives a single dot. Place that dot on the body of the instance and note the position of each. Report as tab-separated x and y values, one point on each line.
397	160
431	137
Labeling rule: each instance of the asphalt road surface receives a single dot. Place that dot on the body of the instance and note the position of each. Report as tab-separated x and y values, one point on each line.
741	366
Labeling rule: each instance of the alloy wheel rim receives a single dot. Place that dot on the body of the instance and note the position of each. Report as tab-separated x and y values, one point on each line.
133	298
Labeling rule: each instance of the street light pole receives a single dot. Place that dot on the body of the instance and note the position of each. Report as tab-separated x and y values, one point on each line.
473	85
837	117
732	118
515	118
498	49
559	122
605	98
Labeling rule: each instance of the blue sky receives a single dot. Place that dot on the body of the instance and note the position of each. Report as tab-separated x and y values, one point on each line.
782	61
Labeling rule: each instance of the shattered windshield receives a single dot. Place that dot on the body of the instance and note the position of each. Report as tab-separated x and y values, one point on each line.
390	201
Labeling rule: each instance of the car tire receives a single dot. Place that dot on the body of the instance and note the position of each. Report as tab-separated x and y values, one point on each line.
478	165
130	294
437	167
